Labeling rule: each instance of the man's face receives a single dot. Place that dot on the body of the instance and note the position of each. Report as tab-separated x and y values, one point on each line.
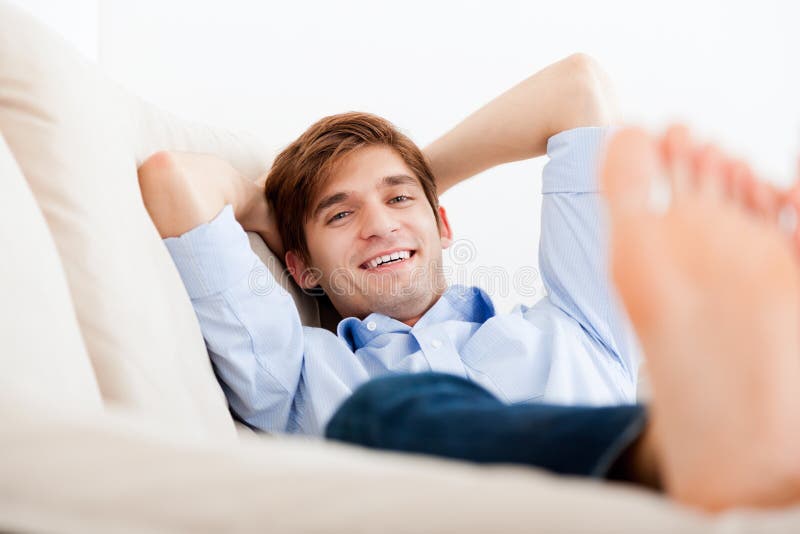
373	241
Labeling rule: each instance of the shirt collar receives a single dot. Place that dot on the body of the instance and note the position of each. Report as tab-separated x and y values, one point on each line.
459	303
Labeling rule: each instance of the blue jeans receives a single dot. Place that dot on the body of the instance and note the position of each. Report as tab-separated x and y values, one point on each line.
445	415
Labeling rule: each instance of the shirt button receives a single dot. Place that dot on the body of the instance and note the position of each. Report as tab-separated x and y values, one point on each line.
371	326
436	343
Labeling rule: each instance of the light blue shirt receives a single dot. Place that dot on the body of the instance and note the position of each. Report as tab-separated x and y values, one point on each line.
574	346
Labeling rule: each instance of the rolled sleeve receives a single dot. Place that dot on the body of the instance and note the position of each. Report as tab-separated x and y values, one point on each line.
213	256
573	161
573	248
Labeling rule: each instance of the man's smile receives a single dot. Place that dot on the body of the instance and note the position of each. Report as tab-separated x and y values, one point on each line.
388	259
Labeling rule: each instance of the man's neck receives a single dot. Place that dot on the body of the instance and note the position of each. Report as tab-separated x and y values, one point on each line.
414	320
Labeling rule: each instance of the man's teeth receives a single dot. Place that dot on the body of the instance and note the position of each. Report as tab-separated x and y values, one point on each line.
394	256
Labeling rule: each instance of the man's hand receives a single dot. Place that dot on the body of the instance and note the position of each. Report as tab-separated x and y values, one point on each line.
258	217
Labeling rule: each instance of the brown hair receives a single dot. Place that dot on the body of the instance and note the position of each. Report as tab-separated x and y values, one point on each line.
301	169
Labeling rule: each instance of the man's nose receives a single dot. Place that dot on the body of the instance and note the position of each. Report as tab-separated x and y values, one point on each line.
379	221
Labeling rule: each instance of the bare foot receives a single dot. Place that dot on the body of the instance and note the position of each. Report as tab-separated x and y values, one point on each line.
714	294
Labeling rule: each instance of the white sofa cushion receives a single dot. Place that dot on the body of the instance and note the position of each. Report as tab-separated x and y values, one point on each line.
43	357
110	474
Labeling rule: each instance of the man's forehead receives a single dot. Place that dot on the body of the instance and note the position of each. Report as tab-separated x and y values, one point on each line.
366	165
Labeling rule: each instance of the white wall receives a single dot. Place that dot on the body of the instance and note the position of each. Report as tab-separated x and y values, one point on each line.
76	20
729	68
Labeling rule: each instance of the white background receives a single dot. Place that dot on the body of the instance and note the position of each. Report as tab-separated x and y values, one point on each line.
728	68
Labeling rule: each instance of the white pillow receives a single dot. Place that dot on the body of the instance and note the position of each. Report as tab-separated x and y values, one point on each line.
42	356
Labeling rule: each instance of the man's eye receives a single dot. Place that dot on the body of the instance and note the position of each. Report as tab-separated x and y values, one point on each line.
339	216
399	198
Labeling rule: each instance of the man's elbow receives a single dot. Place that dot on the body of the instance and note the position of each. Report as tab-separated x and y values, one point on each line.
157	169
588	96
166	193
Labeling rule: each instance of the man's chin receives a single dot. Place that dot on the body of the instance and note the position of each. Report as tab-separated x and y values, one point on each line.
403	307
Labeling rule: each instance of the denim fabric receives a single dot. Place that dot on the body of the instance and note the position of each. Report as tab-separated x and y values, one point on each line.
444	415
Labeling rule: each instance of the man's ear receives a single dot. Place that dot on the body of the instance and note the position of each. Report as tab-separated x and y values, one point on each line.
445	232
305	276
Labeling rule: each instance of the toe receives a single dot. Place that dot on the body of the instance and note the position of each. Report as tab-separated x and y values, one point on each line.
758	197
676	147
793	204
772	206
709	172
750	191
737	182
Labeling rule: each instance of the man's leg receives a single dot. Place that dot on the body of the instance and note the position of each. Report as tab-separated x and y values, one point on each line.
448	416
712	286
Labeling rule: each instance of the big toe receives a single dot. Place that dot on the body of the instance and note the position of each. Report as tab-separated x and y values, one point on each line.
628	172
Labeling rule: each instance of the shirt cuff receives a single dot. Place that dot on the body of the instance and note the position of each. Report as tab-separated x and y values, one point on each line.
574	160
213	256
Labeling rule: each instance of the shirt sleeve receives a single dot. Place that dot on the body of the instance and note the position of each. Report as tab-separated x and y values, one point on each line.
250	324
573	248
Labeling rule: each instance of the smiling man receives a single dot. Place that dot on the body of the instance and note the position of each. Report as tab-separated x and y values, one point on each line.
354	204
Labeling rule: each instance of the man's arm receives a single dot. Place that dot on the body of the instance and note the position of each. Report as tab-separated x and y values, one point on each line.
516	125
546	113
183	190
254	338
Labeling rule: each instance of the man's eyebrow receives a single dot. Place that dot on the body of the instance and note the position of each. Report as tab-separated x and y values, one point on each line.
398	179
329	201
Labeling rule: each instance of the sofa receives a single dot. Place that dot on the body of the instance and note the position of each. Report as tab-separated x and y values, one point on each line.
111	419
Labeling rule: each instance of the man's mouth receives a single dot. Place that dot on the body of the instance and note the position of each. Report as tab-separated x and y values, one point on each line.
389	258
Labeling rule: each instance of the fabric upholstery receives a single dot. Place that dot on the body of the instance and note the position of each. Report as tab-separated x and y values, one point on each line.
43	355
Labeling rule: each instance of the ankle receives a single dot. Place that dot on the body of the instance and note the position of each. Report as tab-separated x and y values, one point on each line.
645	460
639	463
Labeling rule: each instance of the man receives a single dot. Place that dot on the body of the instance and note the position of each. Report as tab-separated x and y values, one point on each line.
355	204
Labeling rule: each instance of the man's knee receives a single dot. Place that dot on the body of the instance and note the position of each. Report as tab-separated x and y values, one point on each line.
389	390
388	396
372	414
